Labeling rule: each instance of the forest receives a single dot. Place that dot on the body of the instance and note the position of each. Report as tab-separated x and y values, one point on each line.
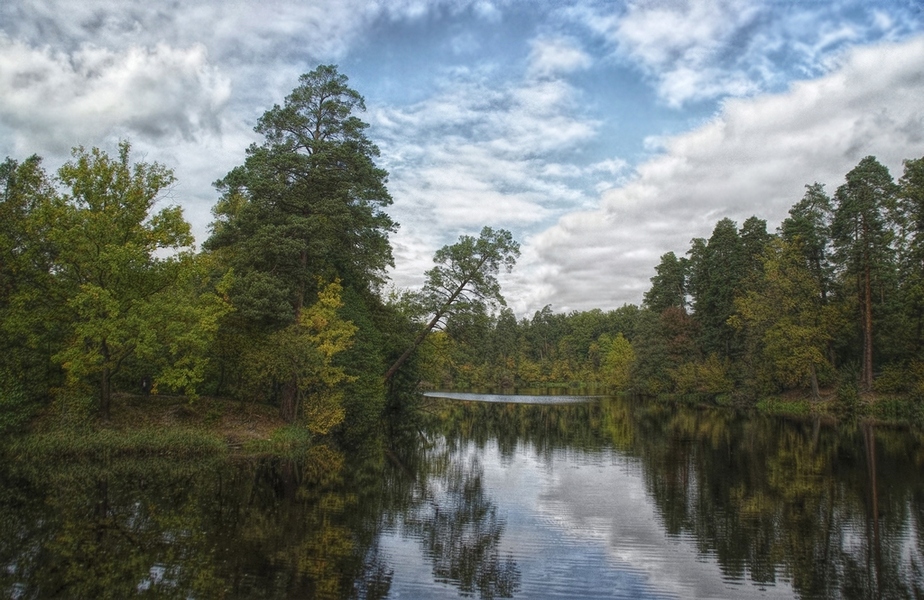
103	292
829	305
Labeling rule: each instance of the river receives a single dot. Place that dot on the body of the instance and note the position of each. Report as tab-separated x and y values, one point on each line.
490	497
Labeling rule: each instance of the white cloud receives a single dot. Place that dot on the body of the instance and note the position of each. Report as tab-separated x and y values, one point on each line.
54	100
681	44
705	50
554	56
753	158
481	153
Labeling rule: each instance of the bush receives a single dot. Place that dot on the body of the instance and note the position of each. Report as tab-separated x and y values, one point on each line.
15	408
847	399
903	409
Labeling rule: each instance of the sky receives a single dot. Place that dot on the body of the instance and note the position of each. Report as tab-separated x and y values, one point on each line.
601	133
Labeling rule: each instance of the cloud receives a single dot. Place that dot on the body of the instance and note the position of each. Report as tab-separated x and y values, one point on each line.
482	152
753	158
695	51
55	100
554	56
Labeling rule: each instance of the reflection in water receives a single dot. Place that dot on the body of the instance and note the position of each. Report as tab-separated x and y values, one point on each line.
513	398
460	532
602	499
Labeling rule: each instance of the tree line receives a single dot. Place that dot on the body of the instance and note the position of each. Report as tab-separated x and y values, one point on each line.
101	288
833	299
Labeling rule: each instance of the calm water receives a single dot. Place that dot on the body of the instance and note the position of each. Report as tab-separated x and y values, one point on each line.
598	498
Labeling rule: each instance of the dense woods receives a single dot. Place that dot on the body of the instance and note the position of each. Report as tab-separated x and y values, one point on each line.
832	300
101	289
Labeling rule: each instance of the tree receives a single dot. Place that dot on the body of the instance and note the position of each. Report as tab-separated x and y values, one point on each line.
30	320
669	285
306	205
464	280
108	262
911	201
617	361
862	239
716	269
784	313
302	355
809	226
754	239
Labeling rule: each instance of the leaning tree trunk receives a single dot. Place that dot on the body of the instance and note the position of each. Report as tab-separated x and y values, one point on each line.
417	341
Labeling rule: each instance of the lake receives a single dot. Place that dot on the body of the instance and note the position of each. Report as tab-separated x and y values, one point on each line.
538	497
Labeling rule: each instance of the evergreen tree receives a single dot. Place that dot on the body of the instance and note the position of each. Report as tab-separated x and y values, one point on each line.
911	201
669	285
809	226
716	269
305	209
862	241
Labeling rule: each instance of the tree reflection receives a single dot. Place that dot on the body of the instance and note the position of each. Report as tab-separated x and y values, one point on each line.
182	529
459	529
774	499
835	511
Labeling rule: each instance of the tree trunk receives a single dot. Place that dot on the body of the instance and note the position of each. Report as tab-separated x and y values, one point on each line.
866	379
423	334
816	395
105	384
288	401
417	341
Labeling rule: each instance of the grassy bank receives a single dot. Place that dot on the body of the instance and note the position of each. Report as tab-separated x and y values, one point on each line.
165	426
882	408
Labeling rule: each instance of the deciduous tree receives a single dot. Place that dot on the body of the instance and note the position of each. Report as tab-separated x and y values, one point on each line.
108	243
464	280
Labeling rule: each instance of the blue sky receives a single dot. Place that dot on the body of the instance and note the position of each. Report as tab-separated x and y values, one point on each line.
601	133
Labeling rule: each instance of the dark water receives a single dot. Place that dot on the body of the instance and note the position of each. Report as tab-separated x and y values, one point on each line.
603	499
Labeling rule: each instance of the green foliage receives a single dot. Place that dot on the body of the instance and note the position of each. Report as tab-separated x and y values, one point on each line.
107	240
617	362
709	377
464	281
847	397
305	205
785	320
863	240
809	227
302	356
31	321
364	361
15	408
669	285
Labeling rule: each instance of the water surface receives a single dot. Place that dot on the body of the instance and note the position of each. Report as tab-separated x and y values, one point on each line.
603	498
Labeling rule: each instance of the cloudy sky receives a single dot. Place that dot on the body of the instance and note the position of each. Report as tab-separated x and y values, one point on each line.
602	133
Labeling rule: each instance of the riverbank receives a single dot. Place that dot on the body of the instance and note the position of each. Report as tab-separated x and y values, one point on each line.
879	408
171	426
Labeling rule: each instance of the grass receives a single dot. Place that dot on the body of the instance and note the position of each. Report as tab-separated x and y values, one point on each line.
886	409
165	426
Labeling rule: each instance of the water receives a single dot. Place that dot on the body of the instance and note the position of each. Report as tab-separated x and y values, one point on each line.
597	498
